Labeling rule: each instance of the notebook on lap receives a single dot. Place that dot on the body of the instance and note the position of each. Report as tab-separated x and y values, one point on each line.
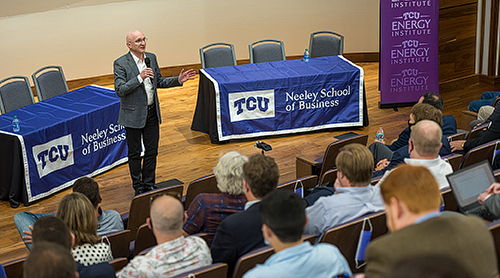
466	185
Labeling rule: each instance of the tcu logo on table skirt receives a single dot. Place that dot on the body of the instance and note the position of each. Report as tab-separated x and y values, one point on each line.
53	155
251	105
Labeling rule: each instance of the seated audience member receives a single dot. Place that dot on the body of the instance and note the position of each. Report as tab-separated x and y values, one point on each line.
424	145
487	98
485	115
53	229
354	196
435	266
283	219
241	232
419	112
490	200
109	221
449	124
207	210
412	199
76	211
492	132
174	253
49	260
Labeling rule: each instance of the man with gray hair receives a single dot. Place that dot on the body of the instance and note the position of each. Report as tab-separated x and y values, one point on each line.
424	146
174	253
208	210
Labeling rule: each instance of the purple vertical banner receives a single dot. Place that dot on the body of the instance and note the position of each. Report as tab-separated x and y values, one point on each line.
409	58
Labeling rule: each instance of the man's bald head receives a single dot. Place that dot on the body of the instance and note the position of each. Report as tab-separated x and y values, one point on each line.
131	35
167	214
136	43
426	138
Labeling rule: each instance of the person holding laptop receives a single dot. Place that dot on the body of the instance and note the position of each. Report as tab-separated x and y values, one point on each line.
490	200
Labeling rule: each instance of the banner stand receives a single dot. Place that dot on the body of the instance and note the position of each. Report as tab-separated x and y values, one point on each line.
409	51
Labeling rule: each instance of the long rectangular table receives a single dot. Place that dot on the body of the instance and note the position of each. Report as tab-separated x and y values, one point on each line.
280	97
61	139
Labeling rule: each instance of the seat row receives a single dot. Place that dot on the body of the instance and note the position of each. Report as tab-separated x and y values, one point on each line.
321	43
15	91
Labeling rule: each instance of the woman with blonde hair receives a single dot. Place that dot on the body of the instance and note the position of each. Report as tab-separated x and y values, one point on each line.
78	213
208	210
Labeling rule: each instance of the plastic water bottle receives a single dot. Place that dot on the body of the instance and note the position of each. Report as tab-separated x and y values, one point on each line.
380	134
306	55
15	124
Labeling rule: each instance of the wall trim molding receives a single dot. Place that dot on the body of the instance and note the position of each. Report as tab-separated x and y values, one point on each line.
108	79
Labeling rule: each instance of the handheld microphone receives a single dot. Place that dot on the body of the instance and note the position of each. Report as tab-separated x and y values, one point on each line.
148	62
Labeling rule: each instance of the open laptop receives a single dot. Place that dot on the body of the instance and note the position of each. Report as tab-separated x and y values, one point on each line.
466	185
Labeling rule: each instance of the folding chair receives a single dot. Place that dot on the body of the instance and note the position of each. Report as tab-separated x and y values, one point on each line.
15	93
49	82
266	51
326	43
218	54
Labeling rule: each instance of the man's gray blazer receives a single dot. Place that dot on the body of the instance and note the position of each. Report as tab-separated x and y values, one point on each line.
133	98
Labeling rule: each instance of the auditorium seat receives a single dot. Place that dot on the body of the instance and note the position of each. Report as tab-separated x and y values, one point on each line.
328	177
266	51
206	184
118	263
473	133
144	239
217	270
140	205
306	166
251	259
14	269
49	82
454	159
119	242
346	236
478	154
307	181
218	54
15	93
456	137
450	203
494	228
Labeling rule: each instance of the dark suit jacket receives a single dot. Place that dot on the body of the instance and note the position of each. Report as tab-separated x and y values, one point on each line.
463	238
485	136
237	235
133	98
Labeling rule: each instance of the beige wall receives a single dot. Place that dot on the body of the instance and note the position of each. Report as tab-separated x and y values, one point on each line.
84	37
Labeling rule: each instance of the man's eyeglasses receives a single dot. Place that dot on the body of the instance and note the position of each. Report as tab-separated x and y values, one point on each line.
140	40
